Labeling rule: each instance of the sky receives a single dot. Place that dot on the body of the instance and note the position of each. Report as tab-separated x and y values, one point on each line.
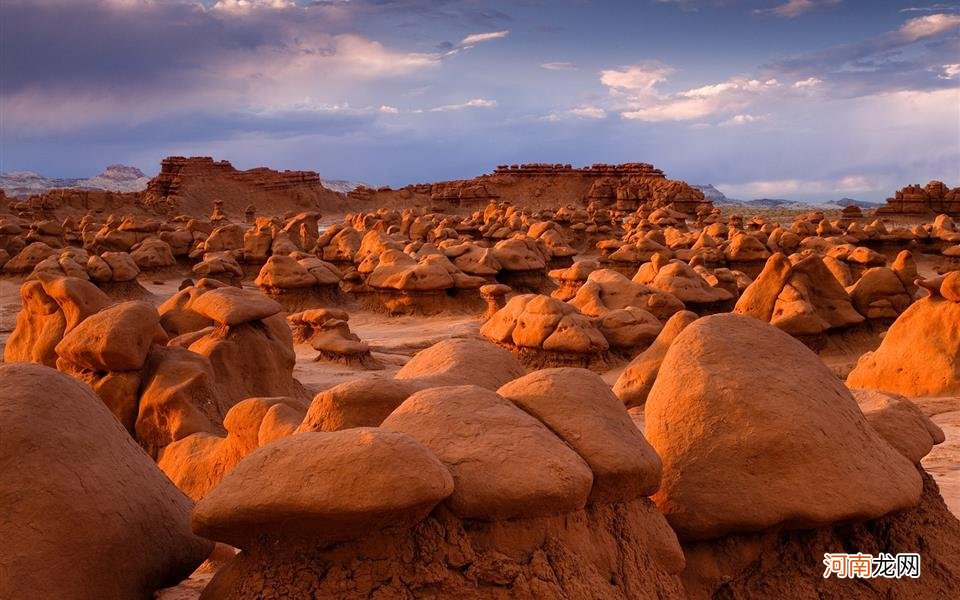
801	99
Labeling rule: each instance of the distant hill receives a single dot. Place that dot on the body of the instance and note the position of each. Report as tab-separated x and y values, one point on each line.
342	185
844	202
714	195
116	178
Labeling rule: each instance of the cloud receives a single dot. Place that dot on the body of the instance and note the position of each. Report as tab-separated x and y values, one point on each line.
904	58
639	77
727	97
743	119
808	83
795	8
586	111
246	5
559	66
473	103
919	28
779	188
476	38
119	63
950	71
933	8
389	110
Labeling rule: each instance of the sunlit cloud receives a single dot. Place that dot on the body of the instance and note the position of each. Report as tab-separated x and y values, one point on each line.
795	8
476	38
473	103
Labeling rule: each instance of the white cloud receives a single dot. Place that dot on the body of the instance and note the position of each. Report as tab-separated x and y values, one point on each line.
950	71
559	66
729	96
808	83
389	110
743	119
586	111
640	77
795	8
473	103
476	38
247	5
919	28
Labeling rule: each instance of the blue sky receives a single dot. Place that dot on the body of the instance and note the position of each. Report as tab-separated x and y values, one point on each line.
803	99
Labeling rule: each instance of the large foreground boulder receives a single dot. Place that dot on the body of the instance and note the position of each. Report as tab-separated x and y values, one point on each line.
579	407
86	513
327	487
505	463
755	431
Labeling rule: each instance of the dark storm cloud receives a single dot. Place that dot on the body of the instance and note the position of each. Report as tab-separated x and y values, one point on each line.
89	44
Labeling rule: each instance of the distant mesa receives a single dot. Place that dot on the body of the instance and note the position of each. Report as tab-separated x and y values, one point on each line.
931	199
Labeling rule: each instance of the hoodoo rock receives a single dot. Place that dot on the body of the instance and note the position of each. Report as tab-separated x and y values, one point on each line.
755	432
919	355
86	512
327	487
900	422
543	476
634	384
578	406
802	298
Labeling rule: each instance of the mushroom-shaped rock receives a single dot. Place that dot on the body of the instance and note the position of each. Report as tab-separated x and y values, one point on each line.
634	384
505	463
755	431
152	253
233	306
324	488
462	362
900	422
606	289
537	322
281	271
100	500
919	355
122	266
802	298
629	328
579	407
879	294
357	403
117	338
681	280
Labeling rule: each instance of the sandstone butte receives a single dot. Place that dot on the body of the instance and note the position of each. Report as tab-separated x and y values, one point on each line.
544	382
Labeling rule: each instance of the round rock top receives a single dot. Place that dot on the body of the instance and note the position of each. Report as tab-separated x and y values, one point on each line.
579	407
118	338
324	488
463	361
505	463
234	306
755	431
86	513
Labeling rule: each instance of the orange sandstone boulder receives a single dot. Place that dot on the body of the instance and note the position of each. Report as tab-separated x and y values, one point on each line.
509	466
634	384
755	431
579	407
87	514
900	422
919	355
325	487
